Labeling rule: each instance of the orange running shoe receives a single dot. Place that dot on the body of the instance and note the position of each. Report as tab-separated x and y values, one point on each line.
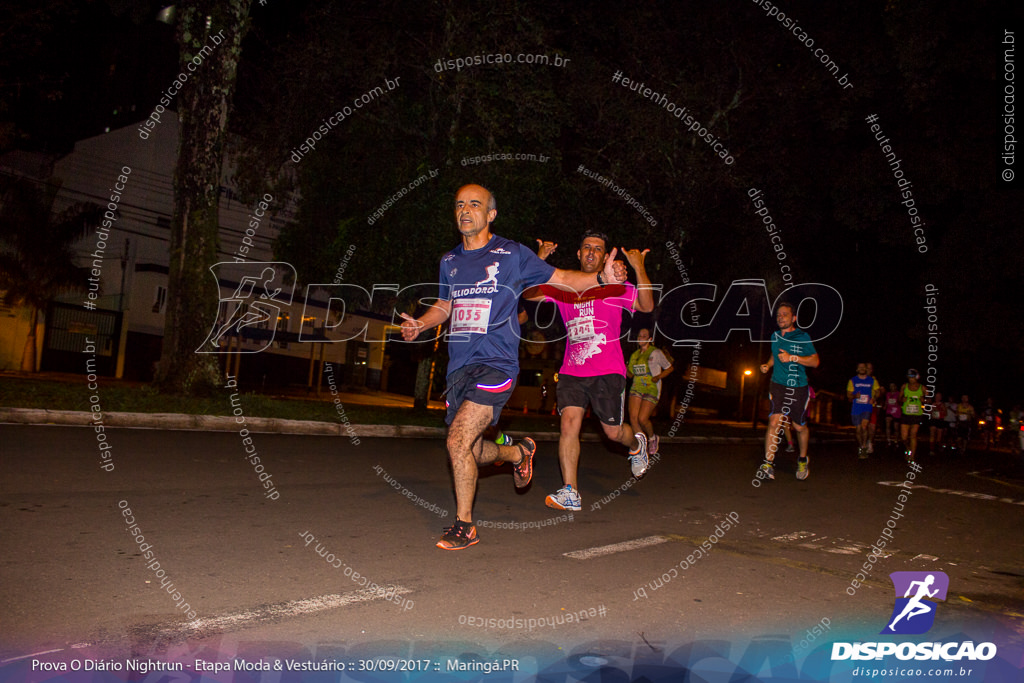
458	536
522	473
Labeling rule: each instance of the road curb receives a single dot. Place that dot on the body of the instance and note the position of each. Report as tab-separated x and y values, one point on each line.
178	421
272	425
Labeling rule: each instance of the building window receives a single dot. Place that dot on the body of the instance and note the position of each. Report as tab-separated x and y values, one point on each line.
160	299
282	326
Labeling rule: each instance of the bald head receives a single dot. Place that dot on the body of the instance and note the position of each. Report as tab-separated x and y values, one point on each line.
476	189
475	209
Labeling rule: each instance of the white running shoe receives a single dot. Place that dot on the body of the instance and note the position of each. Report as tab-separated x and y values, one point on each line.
638	461
565	498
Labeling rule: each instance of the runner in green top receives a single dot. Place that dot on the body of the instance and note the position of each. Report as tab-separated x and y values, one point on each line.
912	394
647	366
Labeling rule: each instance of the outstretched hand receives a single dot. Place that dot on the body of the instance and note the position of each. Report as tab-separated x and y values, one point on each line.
636	257
411	327
614	271
545	249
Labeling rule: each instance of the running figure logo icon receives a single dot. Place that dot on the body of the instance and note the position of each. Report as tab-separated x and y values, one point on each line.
492	275
913	613
252	311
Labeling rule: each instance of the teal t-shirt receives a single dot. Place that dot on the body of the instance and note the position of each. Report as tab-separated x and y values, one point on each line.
797	343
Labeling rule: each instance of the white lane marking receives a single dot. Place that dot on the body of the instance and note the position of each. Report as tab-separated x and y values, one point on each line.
284	610
980	474
37	654
965	494
590	553
795	536
840	546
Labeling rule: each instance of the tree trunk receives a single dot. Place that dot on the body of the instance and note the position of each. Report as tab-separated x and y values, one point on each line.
210	35
425	376
28	354
421	392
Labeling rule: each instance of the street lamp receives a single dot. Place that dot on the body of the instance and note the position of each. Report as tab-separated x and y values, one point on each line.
743	381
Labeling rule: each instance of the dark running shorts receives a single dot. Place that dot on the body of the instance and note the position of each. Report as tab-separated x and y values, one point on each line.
478	384
606	395
791	401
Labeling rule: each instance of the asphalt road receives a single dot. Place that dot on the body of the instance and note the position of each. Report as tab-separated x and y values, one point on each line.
73	579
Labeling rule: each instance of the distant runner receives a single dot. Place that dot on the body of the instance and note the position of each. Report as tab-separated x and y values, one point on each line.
862	390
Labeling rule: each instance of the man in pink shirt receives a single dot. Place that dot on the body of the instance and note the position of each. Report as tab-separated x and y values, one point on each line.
593	371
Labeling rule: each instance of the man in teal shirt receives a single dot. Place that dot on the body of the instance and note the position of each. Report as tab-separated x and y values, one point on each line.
792	351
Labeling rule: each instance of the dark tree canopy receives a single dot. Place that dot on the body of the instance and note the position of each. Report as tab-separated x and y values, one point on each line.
931	72
794	131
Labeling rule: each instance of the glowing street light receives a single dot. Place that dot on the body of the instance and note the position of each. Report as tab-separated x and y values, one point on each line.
743	381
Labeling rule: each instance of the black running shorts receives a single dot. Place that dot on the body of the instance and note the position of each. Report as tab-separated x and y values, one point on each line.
478	384
606	395
791	401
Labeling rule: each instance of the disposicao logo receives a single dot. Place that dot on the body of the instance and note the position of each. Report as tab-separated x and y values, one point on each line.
914	613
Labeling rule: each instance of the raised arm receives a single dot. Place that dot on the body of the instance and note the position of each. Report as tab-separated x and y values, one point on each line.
614	272
644	294
544	249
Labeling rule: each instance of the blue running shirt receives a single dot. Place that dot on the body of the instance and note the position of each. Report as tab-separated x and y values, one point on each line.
866	388
483	286
797	343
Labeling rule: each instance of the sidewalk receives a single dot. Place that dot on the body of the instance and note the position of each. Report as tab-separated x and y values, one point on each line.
366	397
723	431
742	431
270	425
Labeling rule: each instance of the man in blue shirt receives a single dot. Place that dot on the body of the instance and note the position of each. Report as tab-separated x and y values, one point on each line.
792	351
481	280
861	390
